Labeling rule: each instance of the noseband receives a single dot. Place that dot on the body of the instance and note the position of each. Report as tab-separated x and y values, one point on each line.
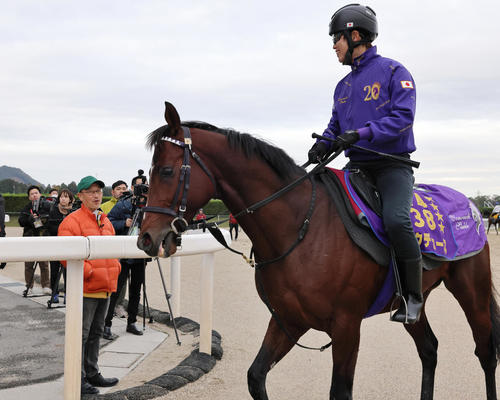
183	183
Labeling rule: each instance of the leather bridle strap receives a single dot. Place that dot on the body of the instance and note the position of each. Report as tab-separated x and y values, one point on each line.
184	181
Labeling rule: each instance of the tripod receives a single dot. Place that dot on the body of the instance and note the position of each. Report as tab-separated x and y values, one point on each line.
167	296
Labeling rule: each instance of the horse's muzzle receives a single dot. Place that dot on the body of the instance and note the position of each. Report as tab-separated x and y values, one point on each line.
163	245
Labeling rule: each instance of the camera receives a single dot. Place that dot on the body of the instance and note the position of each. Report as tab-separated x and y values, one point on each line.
41	208
141	190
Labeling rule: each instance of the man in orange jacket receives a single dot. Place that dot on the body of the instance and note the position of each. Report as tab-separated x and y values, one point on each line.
99	279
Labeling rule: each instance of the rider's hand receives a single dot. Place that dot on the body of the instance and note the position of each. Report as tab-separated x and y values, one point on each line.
128	222
345	140
317	152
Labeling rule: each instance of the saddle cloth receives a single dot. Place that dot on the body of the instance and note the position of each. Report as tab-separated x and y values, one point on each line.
447	225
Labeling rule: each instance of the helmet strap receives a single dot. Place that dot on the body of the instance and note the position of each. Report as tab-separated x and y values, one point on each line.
351	45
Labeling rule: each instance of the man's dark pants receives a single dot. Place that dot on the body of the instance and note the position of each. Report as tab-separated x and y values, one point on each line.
94	312
394	182
134	294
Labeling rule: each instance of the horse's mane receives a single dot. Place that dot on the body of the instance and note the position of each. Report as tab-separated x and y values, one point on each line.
251	146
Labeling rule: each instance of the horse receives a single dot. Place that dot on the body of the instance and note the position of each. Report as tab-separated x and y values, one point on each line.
493	219
325	282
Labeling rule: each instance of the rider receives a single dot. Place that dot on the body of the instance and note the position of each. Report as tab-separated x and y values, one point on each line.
496	210
375	106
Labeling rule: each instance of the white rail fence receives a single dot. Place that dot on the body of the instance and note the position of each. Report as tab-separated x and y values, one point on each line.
75	249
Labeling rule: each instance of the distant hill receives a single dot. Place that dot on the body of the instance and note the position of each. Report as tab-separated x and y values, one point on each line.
17	174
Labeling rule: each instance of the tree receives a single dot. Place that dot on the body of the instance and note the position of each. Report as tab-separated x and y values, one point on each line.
72	187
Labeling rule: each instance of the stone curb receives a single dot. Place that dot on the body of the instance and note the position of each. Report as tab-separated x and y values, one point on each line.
189	370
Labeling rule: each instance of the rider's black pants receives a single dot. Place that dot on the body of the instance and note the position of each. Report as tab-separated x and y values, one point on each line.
394	182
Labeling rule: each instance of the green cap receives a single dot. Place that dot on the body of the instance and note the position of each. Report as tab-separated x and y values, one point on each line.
87	182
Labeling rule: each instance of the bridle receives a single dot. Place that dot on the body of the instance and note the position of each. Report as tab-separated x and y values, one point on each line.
184	181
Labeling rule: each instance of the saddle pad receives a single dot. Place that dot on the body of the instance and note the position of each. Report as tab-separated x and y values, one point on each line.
446	223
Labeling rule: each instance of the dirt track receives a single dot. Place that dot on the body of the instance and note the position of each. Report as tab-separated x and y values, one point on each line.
387	355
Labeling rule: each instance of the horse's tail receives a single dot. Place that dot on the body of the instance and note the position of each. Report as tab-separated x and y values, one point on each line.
495	321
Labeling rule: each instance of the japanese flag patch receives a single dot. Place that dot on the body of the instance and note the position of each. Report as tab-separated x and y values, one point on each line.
407	84
349	25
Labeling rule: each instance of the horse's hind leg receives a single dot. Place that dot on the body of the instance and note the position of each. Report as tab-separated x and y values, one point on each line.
275	346
470	282
427	345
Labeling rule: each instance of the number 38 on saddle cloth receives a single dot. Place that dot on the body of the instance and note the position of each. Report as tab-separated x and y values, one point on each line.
447	225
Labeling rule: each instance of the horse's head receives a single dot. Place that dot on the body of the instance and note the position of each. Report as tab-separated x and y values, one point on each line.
180	184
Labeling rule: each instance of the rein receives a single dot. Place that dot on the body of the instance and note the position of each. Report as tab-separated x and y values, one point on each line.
214	229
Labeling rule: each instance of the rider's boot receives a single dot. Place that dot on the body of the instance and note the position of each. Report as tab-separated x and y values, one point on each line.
411	271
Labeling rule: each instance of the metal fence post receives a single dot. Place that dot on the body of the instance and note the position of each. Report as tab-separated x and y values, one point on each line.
73	335
207	299
175	285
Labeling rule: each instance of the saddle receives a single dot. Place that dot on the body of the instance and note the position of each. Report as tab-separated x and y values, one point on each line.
448	226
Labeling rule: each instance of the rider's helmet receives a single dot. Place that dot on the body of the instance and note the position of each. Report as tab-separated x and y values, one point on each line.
354	17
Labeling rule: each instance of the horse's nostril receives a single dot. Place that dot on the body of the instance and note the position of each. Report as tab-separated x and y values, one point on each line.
145	241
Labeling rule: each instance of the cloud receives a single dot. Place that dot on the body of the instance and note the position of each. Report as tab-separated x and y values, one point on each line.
87	81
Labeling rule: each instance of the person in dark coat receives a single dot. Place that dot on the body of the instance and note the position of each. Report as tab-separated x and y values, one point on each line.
33	217
2	223
60	208
121	216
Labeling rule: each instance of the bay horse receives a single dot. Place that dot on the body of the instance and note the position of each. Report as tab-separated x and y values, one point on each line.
326	283
493	220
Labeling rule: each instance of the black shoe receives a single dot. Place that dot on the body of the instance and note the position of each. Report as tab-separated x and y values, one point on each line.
131	328
99	380
411	271
87	388
107	333
414	304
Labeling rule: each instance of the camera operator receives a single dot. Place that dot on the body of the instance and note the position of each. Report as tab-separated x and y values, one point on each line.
117	189
33	217
124	217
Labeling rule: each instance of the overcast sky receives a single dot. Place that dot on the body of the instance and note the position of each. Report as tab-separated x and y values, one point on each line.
83	83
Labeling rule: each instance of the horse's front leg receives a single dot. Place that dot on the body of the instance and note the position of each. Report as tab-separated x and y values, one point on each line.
345	336
275	346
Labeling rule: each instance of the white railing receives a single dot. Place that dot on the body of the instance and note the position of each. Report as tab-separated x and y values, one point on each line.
75	249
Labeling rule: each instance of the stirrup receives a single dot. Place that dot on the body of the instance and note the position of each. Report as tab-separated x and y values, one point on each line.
403	304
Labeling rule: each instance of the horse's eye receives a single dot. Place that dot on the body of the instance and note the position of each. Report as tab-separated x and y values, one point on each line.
166	172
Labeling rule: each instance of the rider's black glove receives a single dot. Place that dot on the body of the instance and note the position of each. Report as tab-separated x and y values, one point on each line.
345	140
317	152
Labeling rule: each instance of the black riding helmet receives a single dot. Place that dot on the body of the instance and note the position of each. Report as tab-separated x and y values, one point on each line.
354	17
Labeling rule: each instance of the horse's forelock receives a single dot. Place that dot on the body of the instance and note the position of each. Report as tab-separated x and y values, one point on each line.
156	136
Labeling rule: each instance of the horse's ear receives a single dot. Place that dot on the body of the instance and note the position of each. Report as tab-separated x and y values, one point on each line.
172	118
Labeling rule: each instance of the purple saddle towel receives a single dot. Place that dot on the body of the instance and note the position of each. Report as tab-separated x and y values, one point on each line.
447	225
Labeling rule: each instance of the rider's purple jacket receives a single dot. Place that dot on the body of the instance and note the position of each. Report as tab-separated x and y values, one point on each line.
378	93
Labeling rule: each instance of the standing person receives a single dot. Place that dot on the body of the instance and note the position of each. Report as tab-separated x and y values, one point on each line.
375	106
32	218
121	216
58	211
117	189
53	195
100	278
233	224
200	216
2	223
